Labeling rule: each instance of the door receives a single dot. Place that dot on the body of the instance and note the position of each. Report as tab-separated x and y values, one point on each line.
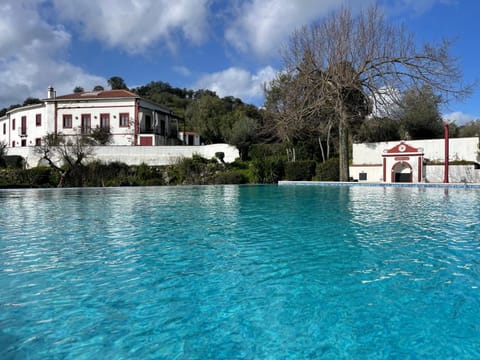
86	123
146	141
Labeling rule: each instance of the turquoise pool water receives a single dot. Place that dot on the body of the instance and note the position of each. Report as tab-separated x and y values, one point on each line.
249	272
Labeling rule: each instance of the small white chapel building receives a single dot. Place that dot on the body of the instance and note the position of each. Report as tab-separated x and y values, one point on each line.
417	161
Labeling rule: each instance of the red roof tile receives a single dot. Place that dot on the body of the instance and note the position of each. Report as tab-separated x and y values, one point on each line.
104	94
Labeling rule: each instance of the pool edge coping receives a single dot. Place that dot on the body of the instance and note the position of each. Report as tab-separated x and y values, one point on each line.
375	184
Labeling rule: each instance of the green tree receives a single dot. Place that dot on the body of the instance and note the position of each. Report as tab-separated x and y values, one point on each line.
419	115
206	116
345	61
4	111
243	134
31	101
379	129
175	99
98	88
78	89
117	83
470	129
65	154
101	135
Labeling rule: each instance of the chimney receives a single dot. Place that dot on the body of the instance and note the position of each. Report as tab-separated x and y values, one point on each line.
51	92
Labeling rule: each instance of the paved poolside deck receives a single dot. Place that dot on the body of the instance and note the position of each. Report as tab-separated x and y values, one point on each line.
414	185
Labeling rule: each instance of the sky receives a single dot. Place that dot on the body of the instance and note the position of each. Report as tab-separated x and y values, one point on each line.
228	46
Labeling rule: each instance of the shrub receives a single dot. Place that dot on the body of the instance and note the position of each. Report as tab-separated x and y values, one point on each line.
300	170
328	171
14	161
193	171
230	177
102	136
268	170
41	177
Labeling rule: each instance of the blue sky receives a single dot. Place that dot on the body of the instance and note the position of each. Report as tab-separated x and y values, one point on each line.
231	47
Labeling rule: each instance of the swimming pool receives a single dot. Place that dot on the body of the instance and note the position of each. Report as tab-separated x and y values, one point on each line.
230	272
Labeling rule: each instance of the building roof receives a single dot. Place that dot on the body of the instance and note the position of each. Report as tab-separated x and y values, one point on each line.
103	94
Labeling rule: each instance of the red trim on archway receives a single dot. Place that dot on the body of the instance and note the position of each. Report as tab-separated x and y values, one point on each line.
398	163
384	169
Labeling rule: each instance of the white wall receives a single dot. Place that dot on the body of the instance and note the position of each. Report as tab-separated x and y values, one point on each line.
456	173
135	155
432	173
434	150
374	173
162	155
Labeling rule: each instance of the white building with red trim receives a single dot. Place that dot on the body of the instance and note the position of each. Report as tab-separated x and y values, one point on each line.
141	131
417	161
130	119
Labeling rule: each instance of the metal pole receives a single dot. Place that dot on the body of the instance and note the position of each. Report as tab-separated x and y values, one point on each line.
445	177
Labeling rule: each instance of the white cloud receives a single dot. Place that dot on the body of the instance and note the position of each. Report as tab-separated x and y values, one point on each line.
263	25
238	83
31	55
416	7
135	25
182	70
459	117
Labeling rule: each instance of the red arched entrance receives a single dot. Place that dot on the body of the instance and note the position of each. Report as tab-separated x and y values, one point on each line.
402	172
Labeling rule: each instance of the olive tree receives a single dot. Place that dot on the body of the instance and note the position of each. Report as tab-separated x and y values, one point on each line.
65	153
345	66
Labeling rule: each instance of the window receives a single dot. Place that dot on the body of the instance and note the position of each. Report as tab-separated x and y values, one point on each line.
162	128
148	123
38	141
105	121
67	121
123	120
24	126
4	129
13	143
38	120
13	124
24	142
86	123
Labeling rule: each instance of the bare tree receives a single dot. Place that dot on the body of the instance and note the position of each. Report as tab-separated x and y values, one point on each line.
65	153
347	65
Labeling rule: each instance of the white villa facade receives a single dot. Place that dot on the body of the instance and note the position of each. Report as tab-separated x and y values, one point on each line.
134	123
417	161
130	119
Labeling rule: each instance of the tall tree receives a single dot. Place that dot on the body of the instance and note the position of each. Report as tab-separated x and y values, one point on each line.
419	114
78	89
243	134
470	129
206	116
347	61
379	129
117	83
